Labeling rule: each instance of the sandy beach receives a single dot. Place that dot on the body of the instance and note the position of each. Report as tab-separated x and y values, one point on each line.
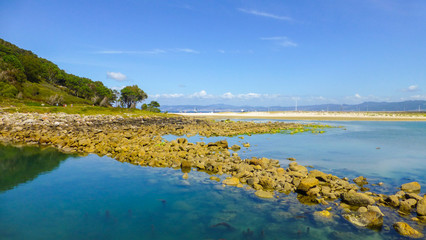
299	115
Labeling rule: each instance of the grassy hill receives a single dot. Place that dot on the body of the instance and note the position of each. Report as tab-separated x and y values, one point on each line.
27	78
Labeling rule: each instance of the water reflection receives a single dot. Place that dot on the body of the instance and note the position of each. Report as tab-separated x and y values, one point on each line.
22	164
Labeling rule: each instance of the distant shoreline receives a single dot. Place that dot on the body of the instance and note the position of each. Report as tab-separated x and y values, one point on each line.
316	115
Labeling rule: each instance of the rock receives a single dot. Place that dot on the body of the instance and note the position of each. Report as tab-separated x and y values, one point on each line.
186	164
214	178
235	147
375	209
411	187
185	176
360	181
307	183
421	207
369	219
313	191
233	181
357	199
267	182
291	159
407	205
362	209
406	230
247	145
392	200
413	196
319	175
264	194
324	214
324	217
293	166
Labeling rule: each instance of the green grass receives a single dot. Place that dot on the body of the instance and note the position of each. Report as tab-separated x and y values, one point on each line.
24	106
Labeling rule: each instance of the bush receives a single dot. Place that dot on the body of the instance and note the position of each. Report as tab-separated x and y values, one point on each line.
7	90
55	100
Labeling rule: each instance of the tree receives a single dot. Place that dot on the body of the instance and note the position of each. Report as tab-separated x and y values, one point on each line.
153	106
131	95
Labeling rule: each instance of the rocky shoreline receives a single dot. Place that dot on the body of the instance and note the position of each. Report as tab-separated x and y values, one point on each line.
138	140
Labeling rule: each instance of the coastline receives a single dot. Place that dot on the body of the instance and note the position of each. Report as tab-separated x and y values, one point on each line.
138	141
319	116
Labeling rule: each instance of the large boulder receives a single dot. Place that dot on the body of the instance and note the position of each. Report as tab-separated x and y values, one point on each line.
307	183
357	199
421	207
368	219
406	230
411	187
392	200
407	205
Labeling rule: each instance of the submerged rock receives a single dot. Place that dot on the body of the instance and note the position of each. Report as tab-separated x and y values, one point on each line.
264	194
369	219
406	230
411	187
231	181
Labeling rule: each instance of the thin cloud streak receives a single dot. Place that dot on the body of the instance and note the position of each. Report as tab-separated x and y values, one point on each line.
150	52
265	14
281	41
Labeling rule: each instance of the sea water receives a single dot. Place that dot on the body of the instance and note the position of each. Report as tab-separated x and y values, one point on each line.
45	194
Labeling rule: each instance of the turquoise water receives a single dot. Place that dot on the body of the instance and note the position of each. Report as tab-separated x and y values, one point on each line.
45	194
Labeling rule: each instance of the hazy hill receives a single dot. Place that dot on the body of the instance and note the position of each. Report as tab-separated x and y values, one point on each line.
366	106
24	75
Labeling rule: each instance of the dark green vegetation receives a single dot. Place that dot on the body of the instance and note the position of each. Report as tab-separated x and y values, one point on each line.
19	165
30	80
23	75
153	106
131	95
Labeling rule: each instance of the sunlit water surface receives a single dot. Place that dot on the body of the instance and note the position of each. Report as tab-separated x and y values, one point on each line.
45	194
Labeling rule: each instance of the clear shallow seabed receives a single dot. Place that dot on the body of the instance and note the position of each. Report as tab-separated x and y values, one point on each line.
45	194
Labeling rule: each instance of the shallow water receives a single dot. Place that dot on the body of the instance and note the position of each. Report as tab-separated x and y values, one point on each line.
69	197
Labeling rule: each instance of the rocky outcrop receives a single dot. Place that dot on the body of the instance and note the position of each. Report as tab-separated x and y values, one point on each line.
406	230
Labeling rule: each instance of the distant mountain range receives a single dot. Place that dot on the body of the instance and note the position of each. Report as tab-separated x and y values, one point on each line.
406	106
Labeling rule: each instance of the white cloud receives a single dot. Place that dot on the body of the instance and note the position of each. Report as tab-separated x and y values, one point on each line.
265	14
200	94
282	41
357	96
411	88
228	95
116	76
250	95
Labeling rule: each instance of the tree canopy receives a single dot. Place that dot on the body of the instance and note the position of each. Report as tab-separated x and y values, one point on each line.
131	95
19	66
153	106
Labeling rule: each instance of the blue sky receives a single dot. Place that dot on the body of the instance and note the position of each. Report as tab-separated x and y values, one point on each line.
263	53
